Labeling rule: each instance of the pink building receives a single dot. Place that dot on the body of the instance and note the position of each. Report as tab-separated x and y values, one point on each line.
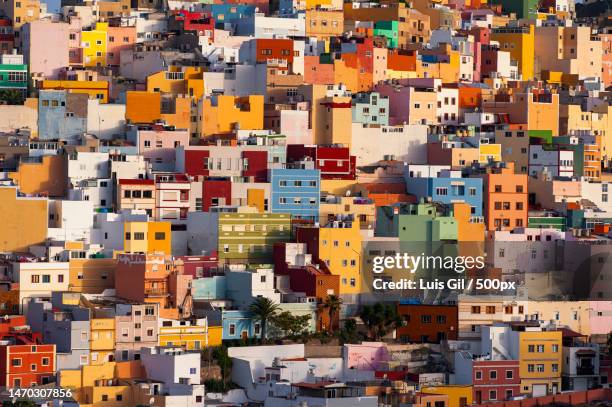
365	356
119	39
601	317
157	144
45	47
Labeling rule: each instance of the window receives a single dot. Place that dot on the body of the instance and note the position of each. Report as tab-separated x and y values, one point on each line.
149	310
442	191
232	329
105	397
160	235
531	368
478	375
555	367
475	309
492	394
493	374
441	319
555	348
531	348
139	236
192	370
509	374
119	397
426	319
540	368
490	309
16	362
35	278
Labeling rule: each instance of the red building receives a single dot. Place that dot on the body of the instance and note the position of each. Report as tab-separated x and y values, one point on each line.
495	380
313	279
276	49
216	192
7	37
211	161
427	323
199	266
333	162
196	21
24	361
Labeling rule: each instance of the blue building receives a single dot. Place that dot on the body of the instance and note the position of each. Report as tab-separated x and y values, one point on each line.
229	13
209	288
444	185
296	191
370	108
61	115
239	324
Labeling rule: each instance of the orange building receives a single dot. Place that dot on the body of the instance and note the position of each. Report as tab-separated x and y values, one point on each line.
505	198
153	278
151	107
42	176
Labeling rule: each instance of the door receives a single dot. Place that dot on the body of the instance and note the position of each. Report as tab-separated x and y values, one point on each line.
539	390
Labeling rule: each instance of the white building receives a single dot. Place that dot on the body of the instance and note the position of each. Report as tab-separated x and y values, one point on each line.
87	165
106	121
556	161
407	143
171	365
70	220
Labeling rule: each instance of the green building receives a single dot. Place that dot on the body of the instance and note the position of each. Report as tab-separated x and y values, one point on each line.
13	73
522	8
547	222
389	30
250	237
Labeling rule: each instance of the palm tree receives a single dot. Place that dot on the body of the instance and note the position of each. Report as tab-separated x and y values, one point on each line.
263	309
333	304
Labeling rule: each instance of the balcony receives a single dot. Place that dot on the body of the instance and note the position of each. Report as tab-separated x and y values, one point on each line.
585	370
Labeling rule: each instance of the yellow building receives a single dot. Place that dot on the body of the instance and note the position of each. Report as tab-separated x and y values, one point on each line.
143	237
97	385
520	42
94	89
23	219
338	245
223	114
489	152
194	335
94	44
540	358
458	396
177	80
102	340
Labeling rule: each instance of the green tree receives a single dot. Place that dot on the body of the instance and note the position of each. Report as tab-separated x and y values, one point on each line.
225	364
380	319
332	304
263	309
349	334
11	97
291	325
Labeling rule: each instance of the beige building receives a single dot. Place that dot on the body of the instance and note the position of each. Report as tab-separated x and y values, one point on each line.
20	12
478	310
324	23
571	50
362	208
514	141
136	194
